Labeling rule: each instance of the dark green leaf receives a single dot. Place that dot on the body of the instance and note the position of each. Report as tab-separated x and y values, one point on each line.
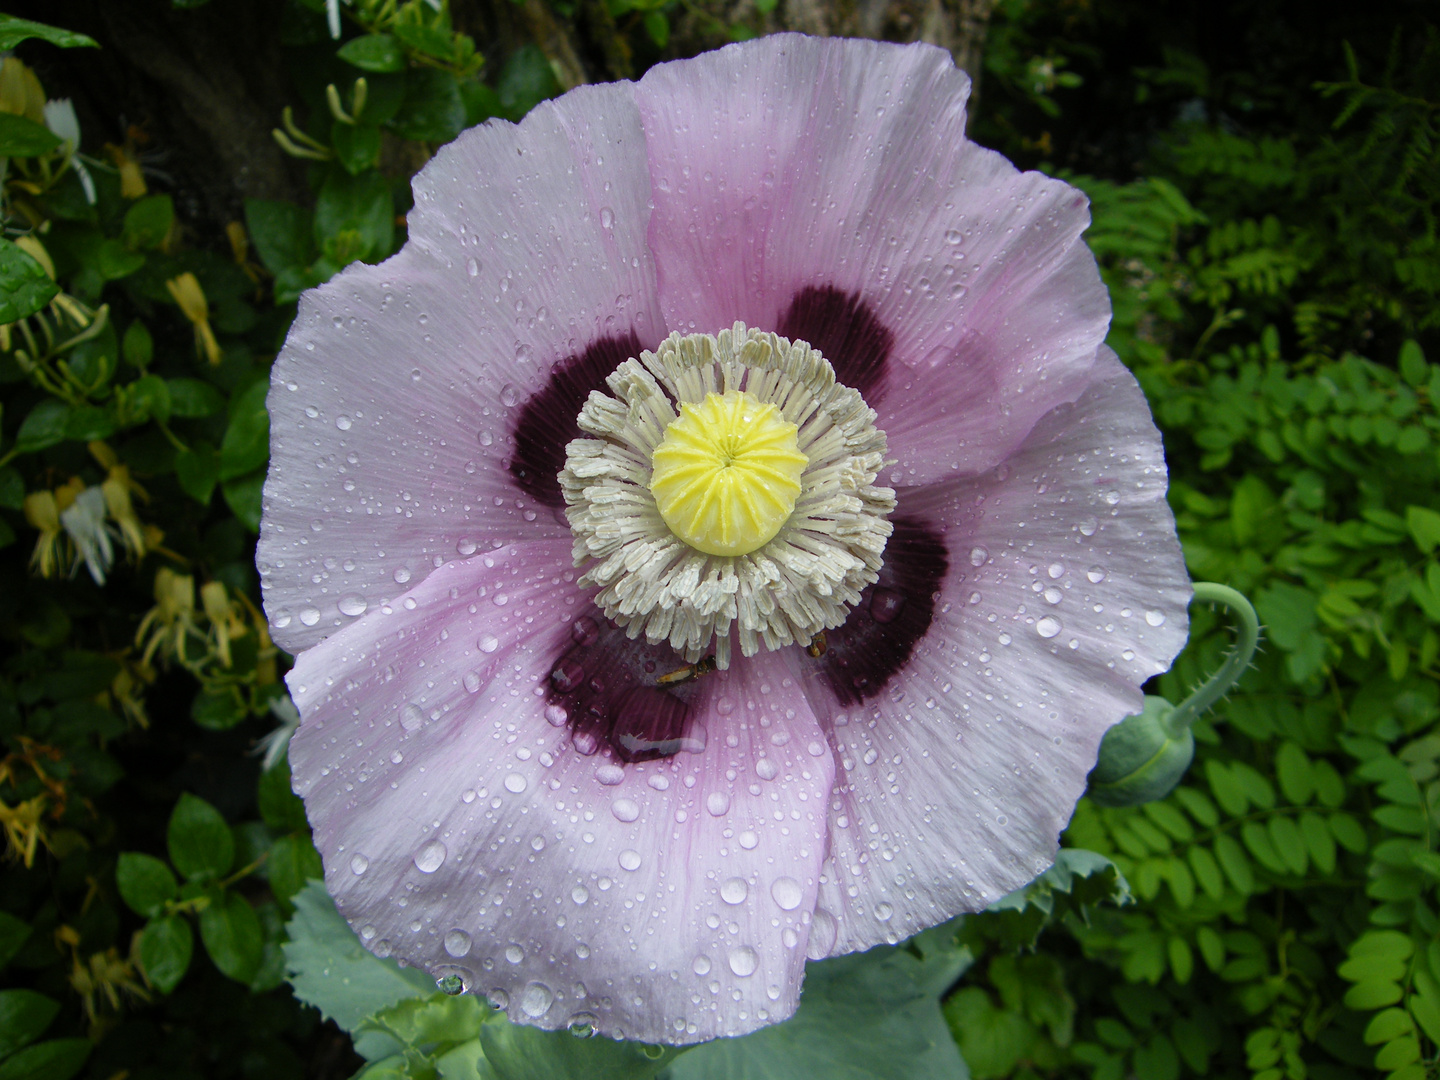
526	80
1424	526
243	496
57	1059
281	233
201	846
145	883
198	470
329	968
360	204
233	936
373	52
22	137
148	222
246	445
432	110
217	710
44	426
13	934
25	288
293	861
193	398
357	146
280	807
138	347
24	1016
13	31
166	946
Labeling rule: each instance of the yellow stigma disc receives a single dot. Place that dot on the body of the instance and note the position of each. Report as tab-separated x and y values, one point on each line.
727	473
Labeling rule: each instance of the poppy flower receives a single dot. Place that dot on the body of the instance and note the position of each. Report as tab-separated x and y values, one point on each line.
621	742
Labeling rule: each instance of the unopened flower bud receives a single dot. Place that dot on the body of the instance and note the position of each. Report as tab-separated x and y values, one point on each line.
1143	757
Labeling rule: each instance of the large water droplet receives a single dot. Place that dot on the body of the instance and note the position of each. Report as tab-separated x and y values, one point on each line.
344	423
607	218
743	961
1087	526
886	605
515	783
353	605
457	943
625	809
629	859
488	643
734	891
580	894
766	769
1048	627
472	682
359	864
1155	618
701	966
514	953
823	932
717	802
1096	574
786	892
610	774
309	616
536	1000
430	857
472	267
581	1025
509	395
884	911
978	556
411	717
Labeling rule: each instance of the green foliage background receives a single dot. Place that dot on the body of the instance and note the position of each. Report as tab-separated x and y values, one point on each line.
1265	216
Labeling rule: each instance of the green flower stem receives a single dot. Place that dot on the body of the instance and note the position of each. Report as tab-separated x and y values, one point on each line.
1247	627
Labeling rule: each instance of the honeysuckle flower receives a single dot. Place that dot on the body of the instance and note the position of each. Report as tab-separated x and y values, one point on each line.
718	538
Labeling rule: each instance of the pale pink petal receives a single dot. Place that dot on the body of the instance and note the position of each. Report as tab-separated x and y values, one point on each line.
393	400
798	163
463	830
1065	590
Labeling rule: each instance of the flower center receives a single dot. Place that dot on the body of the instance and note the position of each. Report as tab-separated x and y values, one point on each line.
726	475
727	491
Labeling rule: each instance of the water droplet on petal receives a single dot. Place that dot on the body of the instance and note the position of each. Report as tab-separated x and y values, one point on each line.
823	932
786	892
1096	574
457	943
556	715
488	643
701	966
514	953
353	605
359	864
309	616
536	1000
734	891
629	859
430	857
1048	627
743	961
515	783
472	682
884	911
610	774
625	809
411	717
1056	570
472	267
717	802
343	422
978	556
582	1025
1155	618
886	605
580	894
1087	526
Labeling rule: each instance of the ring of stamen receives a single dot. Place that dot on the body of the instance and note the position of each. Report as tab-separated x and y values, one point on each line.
790	587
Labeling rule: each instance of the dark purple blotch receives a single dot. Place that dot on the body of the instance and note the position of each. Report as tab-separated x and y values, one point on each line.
546	423
880	635
846	331
604	687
